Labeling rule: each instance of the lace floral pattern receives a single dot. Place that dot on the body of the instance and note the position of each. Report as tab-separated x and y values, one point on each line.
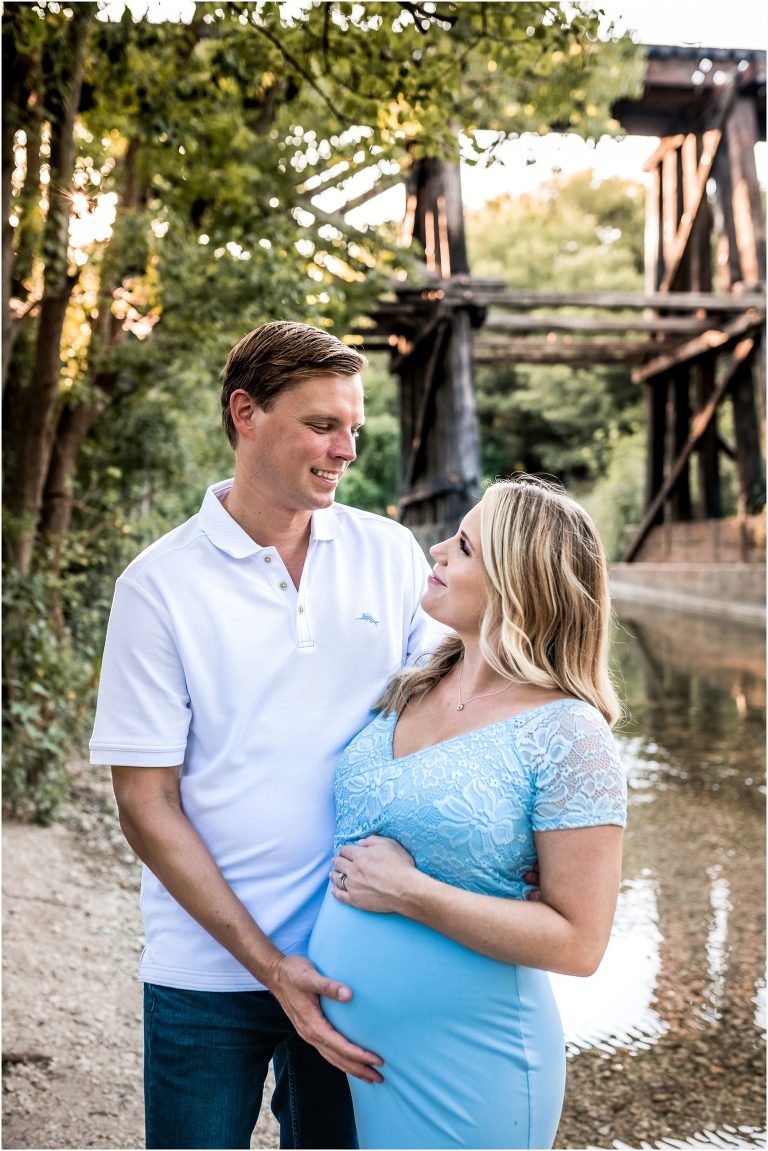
466	809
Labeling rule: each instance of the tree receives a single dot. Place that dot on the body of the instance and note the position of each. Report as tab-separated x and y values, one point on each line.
167	187
204	129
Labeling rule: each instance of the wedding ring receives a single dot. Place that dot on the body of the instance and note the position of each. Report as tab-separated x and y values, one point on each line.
343	880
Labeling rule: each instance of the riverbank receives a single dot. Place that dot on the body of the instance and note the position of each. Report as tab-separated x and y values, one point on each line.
72	1016
72	1060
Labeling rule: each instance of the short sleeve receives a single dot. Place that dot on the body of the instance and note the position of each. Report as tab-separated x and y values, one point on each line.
142	712
579	778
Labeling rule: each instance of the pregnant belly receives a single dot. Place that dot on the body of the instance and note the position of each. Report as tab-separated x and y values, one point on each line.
406	978
447	1022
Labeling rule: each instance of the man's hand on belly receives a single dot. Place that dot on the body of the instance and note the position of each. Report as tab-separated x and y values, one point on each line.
298	985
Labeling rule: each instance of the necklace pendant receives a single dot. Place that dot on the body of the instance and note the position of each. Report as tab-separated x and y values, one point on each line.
460	707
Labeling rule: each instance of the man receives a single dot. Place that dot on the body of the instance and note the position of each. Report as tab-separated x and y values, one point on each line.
244	650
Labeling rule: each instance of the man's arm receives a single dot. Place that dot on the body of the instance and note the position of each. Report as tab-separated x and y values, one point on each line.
153	822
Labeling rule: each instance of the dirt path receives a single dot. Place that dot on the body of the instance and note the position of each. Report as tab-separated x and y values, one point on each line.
72	1063
72	1014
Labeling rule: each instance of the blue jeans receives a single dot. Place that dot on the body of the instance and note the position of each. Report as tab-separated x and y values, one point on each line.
206	1055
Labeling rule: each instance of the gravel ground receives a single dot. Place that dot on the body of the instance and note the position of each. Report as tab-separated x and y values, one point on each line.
72	1017
72	1059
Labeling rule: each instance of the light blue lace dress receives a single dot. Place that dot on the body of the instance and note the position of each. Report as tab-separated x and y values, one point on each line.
473	1048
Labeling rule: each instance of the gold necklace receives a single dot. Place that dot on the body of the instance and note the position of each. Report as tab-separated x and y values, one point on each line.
463	702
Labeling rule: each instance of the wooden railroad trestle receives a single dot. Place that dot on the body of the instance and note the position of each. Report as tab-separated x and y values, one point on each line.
692	338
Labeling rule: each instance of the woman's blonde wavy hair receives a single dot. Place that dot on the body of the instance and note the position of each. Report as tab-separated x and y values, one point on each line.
547	620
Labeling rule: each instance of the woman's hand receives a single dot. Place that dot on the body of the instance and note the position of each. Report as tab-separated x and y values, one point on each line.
373	875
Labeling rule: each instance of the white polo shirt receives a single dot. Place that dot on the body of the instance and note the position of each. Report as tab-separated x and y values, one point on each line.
215	661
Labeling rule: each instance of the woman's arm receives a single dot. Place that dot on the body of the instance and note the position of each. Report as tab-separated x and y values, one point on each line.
566	931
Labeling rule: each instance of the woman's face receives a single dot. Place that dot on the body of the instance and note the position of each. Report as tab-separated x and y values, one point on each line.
456	592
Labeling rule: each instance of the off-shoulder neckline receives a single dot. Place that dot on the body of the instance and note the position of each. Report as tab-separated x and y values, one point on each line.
391	720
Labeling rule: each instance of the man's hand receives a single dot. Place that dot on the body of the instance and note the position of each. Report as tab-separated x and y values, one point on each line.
297	985
532	877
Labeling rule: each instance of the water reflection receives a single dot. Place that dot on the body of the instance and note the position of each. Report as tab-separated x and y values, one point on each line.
667	1038
614	1007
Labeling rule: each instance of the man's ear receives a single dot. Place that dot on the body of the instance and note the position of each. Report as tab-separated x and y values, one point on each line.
244	411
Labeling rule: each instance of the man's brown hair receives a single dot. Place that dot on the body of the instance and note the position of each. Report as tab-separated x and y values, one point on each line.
277	356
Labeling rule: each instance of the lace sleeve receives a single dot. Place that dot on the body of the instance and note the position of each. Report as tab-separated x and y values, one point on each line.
578	776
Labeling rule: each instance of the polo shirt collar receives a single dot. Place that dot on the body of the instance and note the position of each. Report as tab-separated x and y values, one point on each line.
226	534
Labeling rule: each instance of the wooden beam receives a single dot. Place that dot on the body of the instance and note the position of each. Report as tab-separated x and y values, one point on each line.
746	204
665	301
558	351
674	257
701	345
668	144
698	427
684	325
652	233
670	207
711	142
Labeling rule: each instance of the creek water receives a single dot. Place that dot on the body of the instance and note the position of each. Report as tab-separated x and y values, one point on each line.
666	1041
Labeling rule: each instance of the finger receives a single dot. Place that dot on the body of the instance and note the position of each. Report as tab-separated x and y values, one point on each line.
534	896
360	1068
367	1074
361	1071
330	989
313	983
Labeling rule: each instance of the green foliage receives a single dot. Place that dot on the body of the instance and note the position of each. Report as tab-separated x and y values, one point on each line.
50	653
572	236
616	499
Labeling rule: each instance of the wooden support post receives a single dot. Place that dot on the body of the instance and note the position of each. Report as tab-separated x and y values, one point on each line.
700	425
679	417
709	500
728	266
656	423
440	478
747	208
653	253
748	454
670	210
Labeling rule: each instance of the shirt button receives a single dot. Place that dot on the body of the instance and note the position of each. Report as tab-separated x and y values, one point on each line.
283	584
267	559
301	611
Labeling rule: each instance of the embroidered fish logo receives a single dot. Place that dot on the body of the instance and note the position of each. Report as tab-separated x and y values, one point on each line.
368	619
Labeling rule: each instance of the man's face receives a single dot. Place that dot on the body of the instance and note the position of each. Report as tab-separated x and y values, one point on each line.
300	449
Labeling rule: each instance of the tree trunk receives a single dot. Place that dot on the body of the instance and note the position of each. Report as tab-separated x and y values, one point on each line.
21	76
73	427
37	404
76	420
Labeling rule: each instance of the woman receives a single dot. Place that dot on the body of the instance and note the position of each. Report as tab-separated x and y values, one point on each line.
496	753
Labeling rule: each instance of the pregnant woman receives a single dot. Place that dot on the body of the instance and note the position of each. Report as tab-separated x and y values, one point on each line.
495	754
